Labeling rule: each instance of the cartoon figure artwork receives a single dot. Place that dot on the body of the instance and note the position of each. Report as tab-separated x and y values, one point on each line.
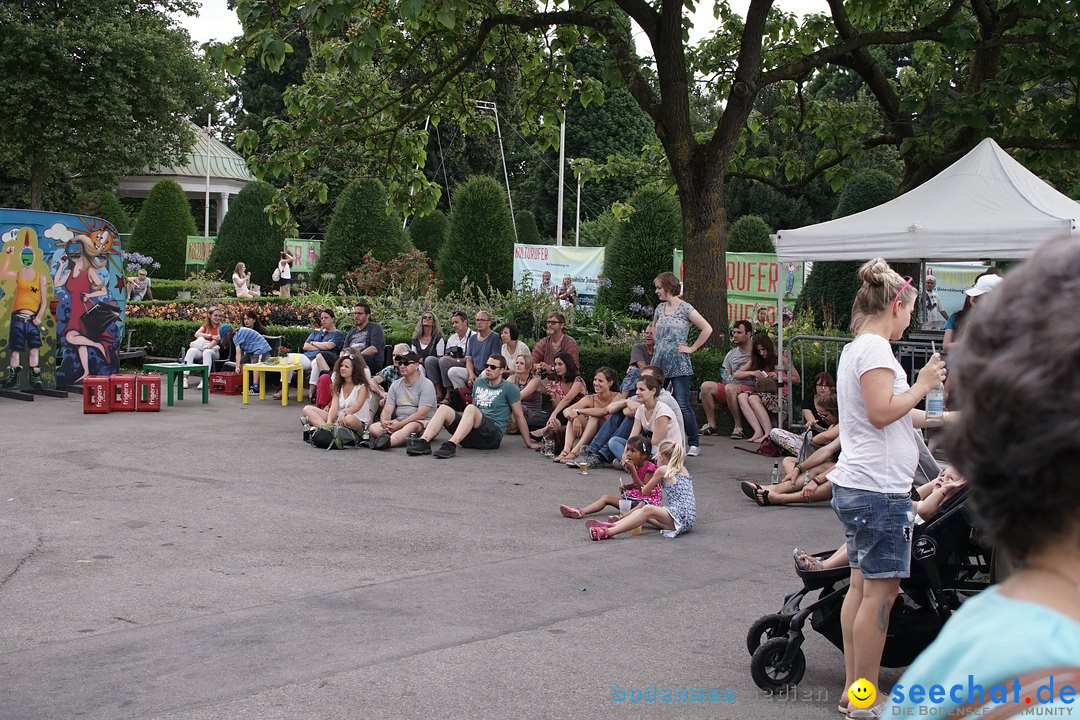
89	312
27	292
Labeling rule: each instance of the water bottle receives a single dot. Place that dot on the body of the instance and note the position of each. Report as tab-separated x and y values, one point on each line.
775	473
180	357
411	442
935	405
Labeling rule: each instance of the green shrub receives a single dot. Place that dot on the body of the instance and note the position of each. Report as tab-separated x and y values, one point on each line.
164	224
166	289
527	232
641	249
103	204
359	226
750	234
480	241
599	232
830	289
428	233
247	235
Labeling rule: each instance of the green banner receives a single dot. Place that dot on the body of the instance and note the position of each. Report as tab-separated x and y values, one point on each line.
753	280
198	249
306	253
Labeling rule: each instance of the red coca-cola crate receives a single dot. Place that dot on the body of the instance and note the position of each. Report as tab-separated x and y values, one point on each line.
226	383
95	394
148	392
122	393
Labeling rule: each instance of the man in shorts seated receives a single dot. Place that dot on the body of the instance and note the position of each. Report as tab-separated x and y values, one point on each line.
482	425
409	404
742	333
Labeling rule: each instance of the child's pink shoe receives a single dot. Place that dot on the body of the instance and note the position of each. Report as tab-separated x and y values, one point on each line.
571	512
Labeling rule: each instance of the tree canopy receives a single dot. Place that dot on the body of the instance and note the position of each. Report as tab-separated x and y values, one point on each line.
962	70
95	89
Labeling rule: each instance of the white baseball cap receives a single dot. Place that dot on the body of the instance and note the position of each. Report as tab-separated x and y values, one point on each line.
984	285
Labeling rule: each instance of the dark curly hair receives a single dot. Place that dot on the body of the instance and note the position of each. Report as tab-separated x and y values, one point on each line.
1018	435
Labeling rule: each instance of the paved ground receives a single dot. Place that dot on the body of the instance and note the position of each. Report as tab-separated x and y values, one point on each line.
205	563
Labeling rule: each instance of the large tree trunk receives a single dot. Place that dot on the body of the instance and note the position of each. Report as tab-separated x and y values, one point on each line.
704	214
37	185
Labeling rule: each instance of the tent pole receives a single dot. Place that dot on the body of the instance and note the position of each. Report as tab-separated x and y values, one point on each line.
781	370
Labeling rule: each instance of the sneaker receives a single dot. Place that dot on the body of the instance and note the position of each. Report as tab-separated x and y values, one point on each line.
448	450
693	451
382	442
617	464
304	422
253	390
707	430
420	447
737	434
35	378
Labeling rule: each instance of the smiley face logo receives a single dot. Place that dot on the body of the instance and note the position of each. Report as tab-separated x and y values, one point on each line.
862	693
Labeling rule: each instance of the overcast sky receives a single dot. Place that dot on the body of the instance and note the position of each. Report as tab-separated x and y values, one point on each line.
216	22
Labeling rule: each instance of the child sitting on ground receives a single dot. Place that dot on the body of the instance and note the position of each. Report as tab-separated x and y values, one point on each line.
931	497
679	511
641	469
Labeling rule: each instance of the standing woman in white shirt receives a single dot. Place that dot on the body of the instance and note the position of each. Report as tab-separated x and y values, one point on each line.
872	479
284	274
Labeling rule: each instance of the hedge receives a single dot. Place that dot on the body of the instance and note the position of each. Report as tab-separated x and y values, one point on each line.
165	289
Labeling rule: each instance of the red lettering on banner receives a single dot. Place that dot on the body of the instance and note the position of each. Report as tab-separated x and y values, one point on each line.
738	276
774	275
531	253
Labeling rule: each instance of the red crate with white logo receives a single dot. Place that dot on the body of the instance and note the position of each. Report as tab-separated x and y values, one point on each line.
148	392
122	393
95	394
226	383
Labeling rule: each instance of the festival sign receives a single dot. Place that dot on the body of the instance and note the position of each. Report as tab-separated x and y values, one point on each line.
198	249
583	264
752	280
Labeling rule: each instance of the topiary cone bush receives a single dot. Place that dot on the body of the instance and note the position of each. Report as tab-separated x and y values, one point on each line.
831	287
103	204
164	224
480	241
359	226
428	233
527	232
247	235
641	250
750	234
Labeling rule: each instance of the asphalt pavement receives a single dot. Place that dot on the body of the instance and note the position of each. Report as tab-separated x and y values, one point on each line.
204	563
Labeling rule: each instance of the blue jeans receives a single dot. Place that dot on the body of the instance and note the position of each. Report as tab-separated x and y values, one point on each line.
680	388
878	527
617	425
617	446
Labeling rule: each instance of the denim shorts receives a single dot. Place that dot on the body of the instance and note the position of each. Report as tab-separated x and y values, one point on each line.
878	527
24	334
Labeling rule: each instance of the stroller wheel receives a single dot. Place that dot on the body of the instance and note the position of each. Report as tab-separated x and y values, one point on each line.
768	669
765	628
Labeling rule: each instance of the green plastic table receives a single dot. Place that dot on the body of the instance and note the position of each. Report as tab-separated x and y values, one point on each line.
174	371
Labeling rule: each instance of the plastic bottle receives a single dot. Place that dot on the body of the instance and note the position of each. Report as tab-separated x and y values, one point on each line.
547	448
411	442
180	357
775	472
935	405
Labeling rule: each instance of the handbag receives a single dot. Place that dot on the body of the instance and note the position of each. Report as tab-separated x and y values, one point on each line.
199	344
276	275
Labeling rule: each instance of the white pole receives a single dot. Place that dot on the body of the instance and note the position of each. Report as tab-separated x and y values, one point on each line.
562	163
206	209
488	105
577	224
780	343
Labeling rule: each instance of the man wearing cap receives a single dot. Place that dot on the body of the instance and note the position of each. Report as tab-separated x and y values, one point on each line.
409	405
482	424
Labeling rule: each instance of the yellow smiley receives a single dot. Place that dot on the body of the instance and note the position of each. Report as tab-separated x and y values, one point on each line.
862	693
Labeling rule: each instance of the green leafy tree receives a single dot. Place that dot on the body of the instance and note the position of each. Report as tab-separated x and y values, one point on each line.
480	241
360	225
527	232
830	289
103	204
599	232
975	71
641	250
103	88
163	227
750	234
428	233
247	235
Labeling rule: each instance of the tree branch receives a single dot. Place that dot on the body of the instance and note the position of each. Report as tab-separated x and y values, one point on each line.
815	171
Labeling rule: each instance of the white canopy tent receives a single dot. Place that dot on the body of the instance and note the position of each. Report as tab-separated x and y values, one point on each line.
984	206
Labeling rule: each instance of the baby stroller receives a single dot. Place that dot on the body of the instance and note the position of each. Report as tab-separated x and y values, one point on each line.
948	565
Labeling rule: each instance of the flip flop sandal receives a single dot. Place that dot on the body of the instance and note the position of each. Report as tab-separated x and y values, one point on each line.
762	499
598	533
590	524
571	512
750	489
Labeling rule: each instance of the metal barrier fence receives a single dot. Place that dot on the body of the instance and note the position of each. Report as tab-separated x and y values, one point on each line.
822	352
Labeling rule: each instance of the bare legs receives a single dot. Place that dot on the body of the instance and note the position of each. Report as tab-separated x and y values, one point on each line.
756	414
399	436
864	620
